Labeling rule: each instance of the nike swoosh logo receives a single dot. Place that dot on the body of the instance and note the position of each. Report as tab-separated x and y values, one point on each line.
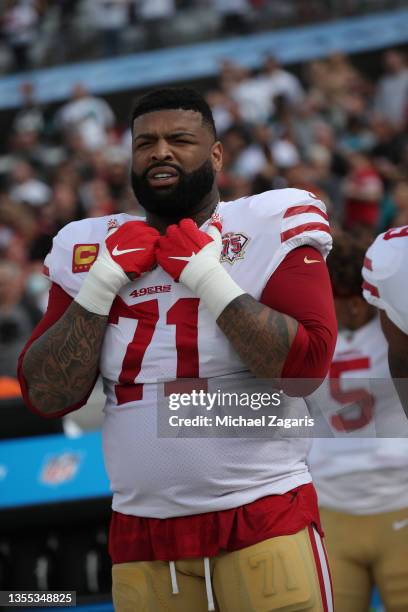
183	258
117	252
397	525
308	261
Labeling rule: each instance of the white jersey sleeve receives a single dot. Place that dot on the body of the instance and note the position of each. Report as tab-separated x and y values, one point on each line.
385	275
295	218
75	248
304	221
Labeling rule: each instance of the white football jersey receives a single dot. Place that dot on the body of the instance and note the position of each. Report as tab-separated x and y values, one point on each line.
158	331
359	470
385	275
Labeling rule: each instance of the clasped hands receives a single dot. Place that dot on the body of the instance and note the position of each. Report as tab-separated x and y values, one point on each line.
136	247
185	252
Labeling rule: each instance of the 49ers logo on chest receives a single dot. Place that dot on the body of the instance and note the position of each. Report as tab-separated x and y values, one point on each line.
233	246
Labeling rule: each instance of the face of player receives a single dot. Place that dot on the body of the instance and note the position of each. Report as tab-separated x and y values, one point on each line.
175	161
352	312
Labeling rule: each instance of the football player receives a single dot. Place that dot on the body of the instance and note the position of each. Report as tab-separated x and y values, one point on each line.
201	289
385	274
362	474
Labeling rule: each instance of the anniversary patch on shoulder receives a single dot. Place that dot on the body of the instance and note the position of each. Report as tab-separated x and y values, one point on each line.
233	246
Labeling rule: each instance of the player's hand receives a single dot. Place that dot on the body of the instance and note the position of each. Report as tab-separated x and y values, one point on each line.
132	246
192	257
186	252
129	251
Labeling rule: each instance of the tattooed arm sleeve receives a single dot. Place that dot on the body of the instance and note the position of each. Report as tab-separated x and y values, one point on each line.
59	364
292	332
261	336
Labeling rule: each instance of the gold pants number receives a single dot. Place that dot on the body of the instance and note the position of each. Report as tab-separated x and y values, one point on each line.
283	574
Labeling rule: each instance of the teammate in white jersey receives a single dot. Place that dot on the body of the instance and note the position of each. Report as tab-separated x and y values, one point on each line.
385	274
242	293
361	474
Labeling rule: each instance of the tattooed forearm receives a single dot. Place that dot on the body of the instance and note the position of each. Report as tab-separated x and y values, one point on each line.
261	336
60	366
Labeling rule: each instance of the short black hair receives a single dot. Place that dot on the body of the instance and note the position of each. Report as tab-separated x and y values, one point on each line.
169	98
344	263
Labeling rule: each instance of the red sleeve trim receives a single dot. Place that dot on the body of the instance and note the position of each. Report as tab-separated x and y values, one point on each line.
58	302
306	227
371	288
298	210
303	291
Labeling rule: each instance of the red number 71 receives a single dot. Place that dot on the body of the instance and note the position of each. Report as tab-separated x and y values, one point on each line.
183	314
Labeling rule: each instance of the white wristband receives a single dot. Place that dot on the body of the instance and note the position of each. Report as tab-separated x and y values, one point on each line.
212	284
103	282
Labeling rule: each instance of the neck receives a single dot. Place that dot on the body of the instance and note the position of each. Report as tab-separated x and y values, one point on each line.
200	214
364	318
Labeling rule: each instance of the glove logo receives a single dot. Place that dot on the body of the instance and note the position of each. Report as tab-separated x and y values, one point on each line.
182	258
116	251
233	247
83	257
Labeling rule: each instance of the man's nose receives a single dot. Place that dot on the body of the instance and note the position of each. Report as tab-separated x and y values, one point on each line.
161	151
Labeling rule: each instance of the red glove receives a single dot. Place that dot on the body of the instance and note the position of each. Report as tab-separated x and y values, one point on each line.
193	257
132	246
179	246
128	250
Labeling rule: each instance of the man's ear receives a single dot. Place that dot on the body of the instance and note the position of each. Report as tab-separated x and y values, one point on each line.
216	156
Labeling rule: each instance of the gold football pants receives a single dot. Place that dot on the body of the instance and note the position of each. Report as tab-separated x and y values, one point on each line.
285	574
367	550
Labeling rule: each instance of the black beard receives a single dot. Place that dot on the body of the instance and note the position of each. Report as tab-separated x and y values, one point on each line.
179	201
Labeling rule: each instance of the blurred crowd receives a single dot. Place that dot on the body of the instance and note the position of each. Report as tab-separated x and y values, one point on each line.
35	33
332	132
335	133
